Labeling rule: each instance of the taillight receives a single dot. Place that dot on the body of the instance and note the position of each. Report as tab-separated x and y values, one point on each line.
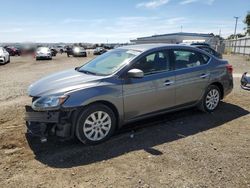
230	68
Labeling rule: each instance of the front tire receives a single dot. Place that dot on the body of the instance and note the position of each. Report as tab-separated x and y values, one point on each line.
95	124
211	99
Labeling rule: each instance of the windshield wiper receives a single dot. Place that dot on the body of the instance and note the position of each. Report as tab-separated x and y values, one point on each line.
87	72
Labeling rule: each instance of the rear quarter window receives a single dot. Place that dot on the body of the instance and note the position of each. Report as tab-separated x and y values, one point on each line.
205	58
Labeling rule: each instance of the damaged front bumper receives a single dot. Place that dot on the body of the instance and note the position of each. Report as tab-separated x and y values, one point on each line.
43	124
245	82
44	117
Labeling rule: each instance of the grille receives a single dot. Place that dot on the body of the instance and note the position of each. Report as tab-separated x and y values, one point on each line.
34	98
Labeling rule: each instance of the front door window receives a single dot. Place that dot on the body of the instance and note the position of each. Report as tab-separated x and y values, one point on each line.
153	63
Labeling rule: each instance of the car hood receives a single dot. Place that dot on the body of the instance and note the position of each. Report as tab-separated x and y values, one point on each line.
62	82
41	52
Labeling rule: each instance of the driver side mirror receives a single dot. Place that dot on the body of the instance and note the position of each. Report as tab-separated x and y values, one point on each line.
135	73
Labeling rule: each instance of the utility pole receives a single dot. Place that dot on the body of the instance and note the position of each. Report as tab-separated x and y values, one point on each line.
181	28
235	28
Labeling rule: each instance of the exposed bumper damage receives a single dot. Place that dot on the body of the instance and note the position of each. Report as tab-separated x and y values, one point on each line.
48	123
245	82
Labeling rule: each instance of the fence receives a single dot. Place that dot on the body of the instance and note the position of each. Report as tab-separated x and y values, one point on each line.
239	46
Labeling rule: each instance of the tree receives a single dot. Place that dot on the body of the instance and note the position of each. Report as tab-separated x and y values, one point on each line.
239	35
247	21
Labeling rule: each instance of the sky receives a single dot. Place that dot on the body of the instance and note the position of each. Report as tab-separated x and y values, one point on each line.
101	21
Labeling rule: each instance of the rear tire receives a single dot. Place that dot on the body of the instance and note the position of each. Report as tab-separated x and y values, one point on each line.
211	99
95	124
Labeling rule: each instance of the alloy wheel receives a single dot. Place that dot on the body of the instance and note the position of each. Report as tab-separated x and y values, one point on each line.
97	125
212	99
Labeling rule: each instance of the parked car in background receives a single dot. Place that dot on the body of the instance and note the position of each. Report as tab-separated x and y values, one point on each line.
69	51
43	53
53	51
206	47
124	85
99	51
200	44
245	82
79	52
76	51
60	48
4	56
209	50
28	50
12	51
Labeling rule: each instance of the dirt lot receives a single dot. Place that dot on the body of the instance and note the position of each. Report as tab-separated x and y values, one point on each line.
181	149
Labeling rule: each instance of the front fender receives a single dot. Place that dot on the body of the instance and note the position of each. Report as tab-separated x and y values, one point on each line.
108	92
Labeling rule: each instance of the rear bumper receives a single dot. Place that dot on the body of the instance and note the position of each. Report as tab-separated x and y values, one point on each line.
80	54
228	85
43	57
96	53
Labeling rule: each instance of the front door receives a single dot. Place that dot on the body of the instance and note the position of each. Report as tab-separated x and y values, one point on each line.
155	91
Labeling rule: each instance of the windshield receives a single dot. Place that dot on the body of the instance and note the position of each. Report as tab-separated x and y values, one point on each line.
109	62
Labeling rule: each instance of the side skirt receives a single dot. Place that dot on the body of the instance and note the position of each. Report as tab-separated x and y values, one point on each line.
161	112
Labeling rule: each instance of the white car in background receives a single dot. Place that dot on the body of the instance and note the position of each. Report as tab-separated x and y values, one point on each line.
79	52
4	56
61	48
43	53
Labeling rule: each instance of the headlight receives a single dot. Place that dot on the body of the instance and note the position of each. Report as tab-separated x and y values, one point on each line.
48	103
76	50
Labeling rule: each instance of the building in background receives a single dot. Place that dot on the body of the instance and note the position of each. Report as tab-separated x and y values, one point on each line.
181	37
176	38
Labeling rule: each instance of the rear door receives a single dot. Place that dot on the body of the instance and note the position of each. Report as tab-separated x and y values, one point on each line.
192	75
155	91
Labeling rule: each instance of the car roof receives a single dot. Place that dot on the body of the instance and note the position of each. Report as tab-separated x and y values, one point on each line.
200	44
146	47
204	46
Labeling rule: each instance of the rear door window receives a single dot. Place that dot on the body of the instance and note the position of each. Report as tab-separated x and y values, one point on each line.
188	59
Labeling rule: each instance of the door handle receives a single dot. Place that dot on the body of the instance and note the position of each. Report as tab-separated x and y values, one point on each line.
204	76
168	83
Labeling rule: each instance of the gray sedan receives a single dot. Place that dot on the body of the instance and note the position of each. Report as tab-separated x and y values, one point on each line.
123	86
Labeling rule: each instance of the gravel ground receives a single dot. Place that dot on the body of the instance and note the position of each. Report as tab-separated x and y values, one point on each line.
182	149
